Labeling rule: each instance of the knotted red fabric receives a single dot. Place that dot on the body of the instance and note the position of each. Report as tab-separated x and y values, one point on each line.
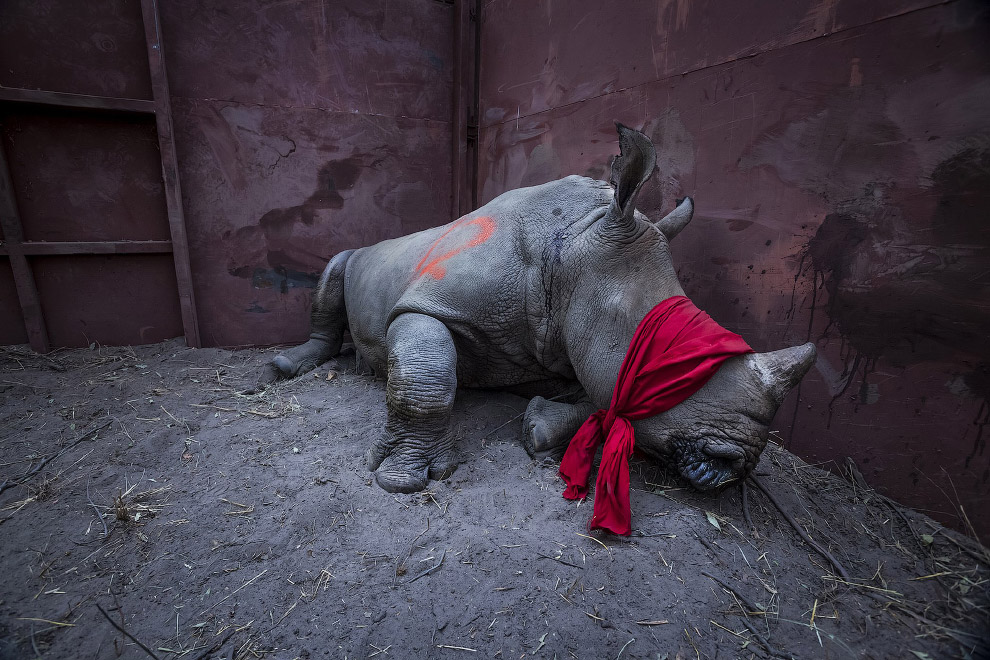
675	350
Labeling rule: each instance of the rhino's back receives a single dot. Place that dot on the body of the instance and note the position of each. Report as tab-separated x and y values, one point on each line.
474	275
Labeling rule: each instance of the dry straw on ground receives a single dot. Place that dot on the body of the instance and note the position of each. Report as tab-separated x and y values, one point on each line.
150	508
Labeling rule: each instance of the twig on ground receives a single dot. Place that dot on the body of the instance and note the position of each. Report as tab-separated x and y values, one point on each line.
803	534
17	382
233	592
983	558
216	647
431	568
399	562
106	532
560	561
771	649
607	549
501	426
125	633
36	469
34	644
284	616
907	609
59	624
745	601
745	505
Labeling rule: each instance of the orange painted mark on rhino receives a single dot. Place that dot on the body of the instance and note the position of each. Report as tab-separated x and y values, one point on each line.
435	267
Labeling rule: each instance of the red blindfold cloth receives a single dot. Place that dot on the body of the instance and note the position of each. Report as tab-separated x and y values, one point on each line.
676	349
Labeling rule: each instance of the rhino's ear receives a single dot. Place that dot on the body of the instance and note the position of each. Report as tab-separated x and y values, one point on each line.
630	170
781	370
672	223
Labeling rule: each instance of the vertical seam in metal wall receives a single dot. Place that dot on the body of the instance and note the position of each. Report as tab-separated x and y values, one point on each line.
476	178
456	110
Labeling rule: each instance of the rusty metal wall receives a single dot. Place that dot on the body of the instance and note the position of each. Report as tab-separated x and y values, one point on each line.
303	129
12	328
94	48
839	155
81	176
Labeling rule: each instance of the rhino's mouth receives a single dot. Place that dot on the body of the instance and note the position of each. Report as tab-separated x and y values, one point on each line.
713	466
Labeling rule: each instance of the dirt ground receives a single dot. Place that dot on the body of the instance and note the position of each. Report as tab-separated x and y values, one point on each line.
146	502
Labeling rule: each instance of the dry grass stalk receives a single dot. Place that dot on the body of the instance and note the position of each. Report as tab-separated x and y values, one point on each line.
120	508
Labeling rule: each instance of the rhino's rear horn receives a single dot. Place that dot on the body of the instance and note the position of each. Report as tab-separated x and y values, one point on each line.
630	170
672	223
781	370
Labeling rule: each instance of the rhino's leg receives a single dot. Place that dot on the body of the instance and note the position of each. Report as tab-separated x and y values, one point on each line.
417	443
548	426
328	319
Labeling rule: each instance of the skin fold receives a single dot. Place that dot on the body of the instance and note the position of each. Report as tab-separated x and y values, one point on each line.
538	292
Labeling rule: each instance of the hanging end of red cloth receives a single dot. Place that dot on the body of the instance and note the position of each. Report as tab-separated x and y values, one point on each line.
612	511
620	528
575	492
577	459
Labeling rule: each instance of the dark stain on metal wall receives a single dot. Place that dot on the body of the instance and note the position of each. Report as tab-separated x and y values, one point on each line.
303	129
838	155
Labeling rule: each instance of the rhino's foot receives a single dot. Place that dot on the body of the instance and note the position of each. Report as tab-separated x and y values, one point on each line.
328	320
407	465
298	360
417	444
548	426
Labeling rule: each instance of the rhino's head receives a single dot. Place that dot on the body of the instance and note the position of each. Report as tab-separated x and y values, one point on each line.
716	436
622	268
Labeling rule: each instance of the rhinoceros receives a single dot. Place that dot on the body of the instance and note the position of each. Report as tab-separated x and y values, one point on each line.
537	292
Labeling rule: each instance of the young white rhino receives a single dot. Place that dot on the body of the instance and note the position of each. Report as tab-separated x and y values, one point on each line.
538	292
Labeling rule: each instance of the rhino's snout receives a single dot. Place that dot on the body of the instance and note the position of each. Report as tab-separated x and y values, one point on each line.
713	466
709	474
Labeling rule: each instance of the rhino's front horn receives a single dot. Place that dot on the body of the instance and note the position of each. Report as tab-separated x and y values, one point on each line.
781	370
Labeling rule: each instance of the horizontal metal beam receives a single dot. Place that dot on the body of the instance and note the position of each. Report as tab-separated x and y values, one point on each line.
86	247
62	99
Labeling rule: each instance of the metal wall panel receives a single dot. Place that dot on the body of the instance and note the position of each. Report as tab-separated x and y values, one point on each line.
94	47
12	329
842	187
543	54
105	299
79	176
303	129
278	191
370	57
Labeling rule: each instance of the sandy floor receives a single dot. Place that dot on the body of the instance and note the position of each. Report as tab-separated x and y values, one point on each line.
209	524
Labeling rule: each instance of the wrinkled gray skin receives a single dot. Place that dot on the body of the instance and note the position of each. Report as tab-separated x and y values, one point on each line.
546	306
